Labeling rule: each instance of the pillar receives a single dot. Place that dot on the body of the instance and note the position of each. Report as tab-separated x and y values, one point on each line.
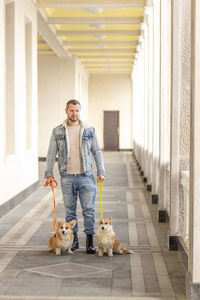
165	98
156	97
180	114
193	279
2	81
144	161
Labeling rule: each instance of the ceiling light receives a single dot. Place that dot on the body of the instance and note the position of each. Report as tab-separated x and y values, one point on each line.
97	25
94	10
99	36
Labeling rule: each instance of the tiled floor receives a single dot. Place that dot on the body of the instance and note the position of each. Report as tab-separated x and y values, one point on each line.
29	271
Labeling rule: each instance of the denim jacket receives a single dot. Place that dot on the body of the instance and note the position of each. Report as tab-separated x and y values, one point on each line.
89	148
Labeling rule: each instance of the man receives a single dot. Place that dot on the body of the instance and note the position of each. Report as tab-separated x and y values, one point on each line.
76	145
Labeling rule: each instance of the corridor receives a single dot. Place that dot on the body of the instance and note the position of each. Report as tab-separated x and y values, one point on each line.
29	271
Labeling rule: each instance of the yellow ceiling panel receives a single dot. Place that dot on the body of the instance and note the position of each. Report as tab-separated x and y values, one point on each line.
79	38
47	53
119	12
39	38
106	59
110	67
107	54
107	67
121	38
107	27
109	73
108	38
46	47
100	48
82	47
87	45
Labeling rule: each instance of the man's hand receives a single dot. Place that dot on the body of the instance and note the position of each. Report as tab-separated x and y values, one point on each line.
49	180
100	178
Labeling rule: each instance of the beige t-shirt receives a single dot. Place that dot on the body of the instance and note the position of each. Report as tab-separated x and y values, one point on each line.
75	163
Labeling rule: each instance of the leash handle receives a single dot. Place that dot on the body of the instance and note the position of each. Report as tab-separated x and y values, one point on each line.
50	181
101	189
53	183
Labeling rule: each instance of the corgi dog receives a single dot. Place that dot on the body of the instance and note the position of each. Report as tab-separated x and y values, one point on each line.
63	239
106	239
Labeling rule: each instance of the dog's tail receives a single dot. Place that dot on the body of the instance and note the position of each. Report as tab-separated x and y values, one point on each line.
127	251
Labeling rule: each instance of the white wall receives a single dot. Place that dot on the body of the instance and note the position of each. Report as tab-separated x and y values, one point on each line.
19	170
111	92
2	80
59	80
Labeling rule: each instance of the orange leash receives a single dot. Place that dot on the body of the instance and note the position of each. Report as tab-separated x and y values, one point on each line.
53	183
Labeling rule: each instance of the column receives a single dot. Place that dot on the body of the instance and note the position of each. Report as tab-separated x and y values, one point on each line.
175	120
193	287
149	128
2	82
180	114
138	101
10	79
29	79
156	99
165	98
144	162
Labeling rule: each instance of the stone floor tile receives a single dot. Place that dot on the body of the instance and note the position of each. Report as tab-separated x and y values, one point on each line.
151	273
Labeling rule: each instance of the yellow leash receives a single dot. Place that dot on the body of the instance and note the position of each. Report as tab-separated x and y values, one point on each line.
101	189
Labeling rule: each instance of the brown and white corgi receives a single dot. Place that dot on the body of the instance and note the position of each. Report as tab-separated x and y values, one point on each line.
63	239
106	239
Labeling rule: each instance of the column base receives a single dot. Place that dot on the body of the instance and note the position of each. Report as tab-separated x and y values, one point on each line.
149	187
154	198
145	179
173	243
142	173
162	216
192	289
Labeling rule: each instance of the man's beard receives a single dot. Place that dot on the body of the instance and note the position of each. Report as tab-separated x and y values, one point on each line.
73	120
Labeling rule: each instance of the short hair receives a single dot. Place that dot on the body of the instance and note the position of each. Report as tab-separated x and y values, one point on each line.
72	101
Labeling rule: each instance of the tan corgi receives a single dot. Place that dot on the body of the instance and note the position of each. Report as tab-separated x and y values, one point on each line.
106	239
63	239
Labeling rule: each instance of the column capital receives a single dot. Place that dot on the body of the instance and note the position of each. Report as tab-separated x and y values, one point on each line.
138	49
148	15
136	56
156	2
144	30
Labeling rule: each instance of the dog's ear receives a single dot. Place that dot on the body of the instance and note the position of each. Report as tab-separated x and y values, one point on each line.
110	220
57	222
73	223
100	220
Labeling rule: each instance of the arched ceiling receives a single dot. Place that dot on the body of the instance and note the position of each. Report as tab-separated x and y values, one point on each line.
103	34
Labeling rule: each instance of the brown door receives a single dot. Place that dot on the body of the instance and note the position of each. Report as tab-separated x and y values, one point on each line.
111	130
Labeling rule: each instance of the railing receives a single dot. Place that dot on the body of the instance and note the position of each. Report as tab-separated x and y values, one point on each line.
185	181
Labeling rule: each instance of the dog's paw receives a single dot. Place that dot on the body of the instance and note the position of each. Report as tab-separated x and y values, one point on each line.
69	251
100	253
58	251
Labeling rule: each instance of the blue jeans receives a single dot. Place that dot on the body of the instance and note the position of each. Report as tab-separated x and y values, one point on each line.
85	187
